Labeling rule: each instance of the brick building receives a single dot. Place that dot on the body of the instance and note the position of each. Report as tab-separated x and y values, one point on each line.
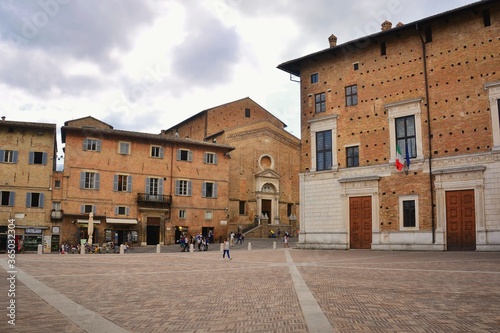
27	162
264	166
429	90
141	188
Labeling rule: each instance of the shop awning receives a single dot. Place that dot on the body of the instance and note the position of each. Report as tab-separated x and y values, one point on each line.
122	221
87	221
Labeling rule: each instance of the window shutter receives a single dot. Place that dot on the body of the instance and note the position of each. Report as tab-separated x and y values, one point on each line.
115	183
205	157
2	155
204	190
98	145
161	152
117	210
82	209
44	158
96	181
11	199
190	155
179	154
160	186
148	187
85	144
129	184
31	158
82	179
94	209
215	190
16	154
28	199
189	188
215	158
127	211
41	200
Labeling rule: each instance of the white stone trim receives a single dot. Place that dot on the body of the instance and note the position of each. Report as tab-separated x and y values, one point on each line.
410	197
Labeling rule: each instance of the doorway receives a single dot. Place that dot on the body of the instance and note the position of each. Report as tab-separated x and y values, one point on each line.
153	231
266	209
460	221
360	221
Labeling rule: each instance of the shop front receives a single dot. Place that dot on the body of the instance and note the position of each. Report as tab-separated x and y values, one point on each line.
121	231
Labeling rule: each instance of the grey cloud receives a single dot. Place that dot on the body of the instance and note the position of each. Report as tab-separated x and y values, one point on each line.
209	53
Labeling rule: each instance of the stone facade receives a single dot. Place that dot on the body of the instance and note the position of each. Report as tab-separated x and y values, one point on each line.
136	184
264	165
27	162
431	87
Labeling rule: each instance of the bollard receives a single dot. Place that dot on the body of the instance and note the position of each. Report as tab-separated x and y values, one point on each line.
122	249
158	250
39	250
191	248
249	246
274	245
82	249
221	247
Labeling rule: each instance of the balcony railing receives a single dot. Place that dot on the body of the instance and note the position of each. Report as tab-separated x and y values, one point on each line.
154	199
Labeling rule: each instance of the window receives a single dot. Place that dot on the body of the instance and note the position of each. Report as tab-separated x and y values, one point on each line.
408	212
209	190
208	215
154	186
210	158
36	157
242	208
86	209
7	198
8	156
247	113
320	102
405	136
494	104
383	48
351	95
486	18
183	187
122	183
57	184
182	214
122	210
184	155
34	200
352	154
289	209
124	148
89	180
157	151
92	144
356	66
314	78
56	206
323	150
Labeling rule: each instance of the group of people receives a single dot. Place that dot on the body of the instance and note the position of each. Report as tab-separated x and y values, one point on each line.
69	248
239	237
199	241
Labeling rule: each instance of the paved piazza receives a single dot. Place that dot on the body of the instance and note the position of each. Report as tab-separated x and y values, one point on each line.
265	289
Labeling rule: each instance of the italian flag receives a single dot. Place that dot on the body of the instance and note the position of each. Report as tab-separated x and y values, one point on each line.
399	159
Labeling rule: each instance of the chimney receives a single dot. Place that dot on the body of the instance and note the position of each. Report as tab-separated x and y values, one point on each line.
333	40
3	118
386	25
400	24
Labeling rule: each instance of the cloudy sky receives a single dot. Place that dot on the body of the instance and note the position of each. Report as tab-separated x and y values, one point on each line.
145	65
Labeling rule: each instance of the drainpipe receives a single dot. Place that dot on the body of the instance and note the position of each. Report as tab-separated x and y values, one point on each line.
431	183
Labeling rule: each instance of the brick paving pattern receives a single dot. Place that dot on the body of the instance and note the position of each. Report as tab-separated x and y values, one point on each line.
357	290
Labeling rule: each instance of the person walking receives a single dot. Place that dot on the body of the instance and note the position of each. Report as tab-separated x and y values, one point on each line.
226	249
285	240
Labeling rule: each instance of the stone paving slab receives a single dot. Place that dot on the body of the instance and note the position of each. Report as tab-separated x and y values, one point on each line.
263	291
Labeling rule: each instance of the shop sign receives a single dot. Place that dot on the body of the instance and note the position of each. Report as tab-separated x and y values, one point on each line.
33	231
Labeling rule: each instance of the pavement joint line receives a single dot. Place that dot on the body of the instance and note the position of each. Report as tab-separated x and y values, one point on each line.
84	318
316	320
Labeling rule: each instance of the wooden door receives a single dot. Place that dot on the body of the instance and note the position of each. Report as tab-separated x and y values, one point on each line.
460	221
360	221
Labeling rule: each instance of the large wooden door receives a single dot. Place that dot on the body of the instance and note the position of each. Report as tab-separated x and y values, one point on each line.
360	221
460	221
